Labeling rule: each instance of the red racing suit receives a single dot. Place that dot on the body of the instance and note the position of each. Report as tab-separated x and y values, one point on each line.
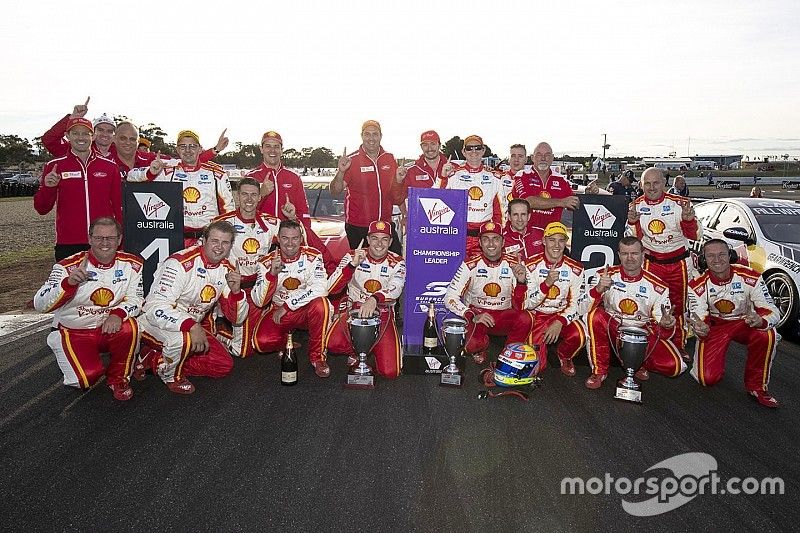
559	302
368	188
86	191
382	279
723	304
299	289
288	183
254	238
529	183
206	193
185	289
483	286
80	310
664	236
527	245
484	199
631	301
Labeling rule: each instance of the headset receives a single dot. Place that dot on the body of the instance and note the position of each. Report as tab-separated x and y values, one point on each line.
702	265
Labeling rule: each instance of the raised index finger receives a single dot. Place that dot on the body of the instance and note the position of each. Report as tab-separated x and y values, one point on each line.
87	100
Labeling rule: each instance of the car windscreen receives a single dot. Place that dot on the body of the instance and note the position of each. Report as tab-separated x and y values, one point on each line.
779	222
320	201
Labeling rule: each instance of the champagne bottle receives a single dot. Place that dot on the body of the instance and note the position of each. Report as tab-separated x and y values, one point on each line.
289	364
430	341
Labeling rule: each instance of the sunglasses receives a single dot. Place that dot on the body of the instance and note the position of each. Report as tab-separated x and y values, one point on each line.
473	148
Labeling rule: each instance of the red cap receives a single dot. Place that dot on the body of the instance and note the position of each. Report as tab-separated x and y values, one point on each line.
379	226
430	136
274	135
80	122
490	227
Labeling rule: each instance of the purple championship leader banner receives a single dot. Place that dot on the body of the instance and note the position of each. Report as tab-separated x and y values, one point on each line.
435	245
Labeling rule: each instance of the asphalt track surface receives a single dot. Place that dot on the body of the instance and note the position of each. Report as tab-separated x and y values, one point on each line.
245	454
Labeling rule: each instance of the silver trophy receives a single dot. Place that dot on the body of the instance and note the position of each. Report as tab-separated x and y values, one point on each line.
363	335
455	333
632	352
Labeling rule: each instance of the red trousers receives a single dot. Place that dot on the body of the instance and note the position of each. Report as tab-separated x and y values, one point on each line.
78	351
314	317
176	359
388	355
516	324
571	340
710	351
676	277
664	356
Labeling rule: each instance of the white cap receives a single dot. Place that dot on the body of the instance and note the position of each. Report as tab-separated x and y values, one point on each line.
103	119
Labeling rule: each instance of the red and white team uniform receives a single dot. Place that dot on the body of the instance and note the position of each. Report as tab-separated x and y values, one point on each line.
664	236
86	191
288	183
723	304
299	288
527	244
559	302
80	310
633	301
206	193
382	279
254	238
507	183
185	289
529	183
420	175
368	191
483	286
484	199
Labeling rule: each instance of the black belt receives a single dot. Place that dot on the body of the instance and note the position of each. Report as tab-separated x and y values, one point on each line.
248	284
668	260
473	232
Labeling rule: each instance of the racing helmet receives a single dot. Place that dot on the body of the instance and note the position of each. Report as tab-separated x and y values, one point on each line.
517	365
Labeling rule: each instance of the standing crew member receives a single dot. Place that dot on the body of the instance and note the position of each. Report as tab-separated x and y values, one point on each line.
422	174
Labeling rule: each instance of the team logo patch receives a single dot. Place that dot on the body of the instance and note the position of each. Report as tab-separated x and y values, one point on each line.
656	227
250	245
291	283
102	297
628	306
207	294
491	289
372	285
725	306
553	292
475	193
544	194
191	195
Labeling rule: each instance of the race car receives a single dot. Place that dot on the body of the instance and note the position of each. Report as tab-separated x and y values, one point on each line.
766	235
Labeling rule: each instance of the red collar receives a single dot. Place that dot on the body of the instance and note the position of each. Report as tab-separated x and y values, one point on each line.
630	279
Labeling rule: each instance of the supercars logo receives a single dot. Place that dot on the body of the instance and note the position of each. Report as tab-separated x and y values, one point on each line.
102	297
207	294
250	245
438	212
152	206
628	306
725	306
656	227
191	195
475	193
372	285
291	283
491	289
600	216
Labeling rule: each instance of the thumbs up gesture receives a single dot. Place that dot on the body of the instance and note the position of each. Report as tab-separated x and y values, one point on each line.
157	165
80	274
52	178
401	174
289	209
604	282
222	142
344	162
80	110
633	214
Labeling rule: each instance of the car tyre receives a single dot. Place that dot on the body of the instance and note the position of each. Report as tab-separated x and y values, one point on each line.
784	294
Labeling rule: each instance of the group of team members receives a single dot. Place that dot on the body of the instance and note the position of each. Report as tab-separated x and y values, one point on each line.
517	279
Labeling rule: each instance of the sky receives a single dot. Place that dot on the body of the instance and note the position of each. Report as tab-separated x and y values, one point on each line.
693	77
